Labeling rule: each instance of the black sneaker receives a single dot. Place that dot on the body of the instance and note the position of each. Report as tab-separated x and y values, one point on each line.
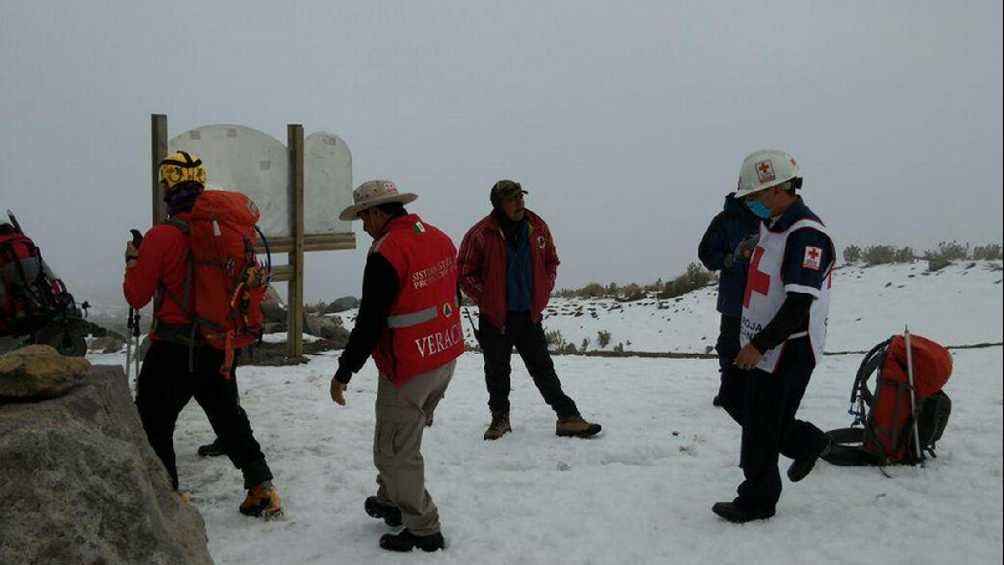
391	515
406	541
737	514
214	449
800	468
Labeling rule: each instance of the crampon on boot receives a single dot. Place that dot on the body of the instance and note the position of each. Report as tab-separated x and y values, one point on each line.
262	501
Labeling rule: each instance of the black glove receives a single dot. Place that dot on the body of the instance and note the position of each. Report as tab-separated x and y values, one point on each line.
132	246
742	252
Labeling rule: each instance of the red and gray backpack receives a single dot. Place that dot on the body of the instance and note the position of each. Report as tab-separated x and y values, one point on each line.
30	294
883	429
225	284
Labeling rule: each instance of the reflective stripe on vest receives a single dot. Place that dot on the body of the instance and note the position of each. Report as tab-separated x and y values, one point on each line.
413	318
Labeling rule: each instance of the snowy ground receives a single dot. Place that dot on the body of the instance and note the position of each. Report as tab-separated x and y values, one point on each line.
640	493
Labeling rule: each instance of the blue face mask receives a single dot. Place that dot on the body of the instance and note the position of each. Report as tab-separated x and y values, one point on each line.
758	209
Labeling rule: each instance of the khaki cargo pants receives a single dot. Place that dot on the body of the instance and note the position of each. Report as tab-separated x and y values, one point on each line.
401	414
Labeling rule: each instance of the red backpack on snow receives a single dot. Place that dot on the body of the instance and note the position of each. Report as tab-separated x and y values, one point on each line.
226	284
886	435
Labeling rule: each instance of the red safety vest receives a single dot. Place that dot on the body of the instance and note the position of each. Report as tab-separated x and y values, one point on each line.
423	329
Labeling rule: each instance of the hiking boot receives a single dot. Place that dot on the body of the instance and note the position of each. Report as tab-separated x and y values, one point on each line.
214	449
737	514
262	501
406	541
499	426
800	468
391	515
575	426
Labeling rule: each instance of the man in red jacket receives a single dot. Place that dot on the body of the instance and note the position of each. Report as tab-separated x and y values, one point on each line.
175	368
409	320
508	267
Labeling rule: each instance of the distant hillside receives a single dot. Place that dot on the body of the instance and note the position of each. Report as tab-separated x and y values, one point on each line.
959	304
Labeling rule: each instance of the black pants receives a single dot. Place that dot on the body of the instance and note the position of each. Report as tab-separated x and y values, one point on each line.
166	385
528	337
727	346
765	404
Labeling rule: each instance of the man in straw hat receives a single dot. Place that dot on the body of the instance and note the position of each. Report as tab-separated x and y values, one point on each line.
409	321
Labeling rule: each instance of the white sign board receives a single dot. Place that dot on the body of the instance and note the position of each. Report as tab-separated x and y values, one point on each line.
257	165
327	183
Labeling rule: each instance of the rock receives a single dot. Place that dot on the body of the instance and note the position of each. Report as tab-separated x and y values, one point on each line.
273	308
342	304
109	343
37	372
327	327
85	485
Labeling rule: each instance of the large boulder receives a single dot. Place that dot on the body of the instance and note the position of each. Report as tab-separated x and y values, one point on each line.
80	483
342	304
327	327
273	308
38	371
108	343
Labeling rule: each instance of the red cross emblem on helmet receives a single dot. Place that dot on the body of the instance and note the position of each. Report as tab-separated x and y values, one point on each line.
765	171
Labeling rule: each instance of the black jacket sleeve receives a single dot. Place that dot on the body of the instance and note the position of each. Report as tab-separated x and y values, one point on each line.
713	247
791	318
379	290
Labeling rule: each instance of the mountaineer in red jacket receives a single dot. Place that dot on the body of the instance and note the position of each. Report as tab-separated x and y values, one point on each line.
178	365
508	266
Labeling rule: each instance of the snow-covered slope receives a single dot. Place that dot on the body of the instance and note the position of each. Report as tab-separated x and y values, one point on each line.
642	492
958	305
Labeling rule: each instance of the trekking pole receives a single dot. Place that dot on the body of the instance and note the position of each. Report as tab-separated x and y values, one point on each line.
913	395
135	336
128	343
477	334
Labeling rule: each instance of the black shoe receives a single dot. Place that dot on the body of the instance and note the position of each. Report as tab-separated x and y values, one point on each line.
800	468
716	401
737	514
391	515
214	449
406	541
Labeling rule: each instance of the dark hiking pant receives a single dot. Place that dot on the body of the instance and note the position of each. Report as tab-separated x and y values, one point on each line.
165	386
765	404
528	338
727	346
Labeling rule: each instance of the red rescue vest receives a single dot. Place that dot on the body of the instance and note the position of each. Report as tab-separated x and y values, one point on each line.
423	329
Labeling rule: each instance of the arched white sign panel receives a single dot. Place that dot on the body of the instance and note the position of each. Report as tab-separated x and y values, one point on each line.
248	161
327	183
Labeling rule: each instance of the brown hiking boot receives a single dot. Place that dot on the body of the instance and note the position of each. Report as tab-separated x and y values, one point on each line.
262	501
499	426
575	426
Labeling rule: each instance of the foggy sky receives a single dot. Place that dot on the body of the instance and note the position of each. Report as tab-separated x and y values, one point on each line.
625	121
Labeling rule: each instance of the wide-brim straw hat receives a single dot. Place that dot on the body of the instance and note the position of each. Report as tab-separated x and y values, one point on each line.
374	193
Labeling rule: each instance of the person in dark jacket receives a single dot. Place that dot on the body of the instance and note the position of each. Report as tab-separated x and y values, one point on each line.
175	369
508	266
726	247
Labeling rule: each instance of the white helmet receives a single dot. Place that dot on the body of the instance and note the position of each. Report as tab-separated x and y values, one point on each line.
764	169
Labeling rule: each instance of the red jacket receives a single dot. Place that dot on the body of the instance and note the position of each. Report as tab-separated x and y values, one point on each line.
162	264
423	329
482	265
